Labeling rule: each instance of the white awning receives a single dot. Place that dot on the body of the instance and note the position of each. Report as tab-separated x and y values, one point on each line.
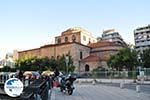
1	66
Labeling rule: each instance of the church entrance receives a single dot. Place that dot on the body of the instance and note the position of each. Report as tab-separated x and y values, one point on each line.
87	68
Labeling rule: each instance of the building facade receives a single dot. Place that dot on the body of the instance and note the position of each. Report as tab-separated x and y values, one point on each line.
113	36
86	52
75	49
75	34
7	61
142	38
99	55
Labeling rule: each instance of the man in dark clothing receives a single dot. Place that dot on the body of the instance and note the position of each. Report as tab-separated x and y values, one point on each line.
20	75
56	72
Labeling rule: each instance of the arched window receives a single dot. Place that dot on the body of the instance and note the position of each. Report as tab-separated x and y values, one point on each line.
148	36
59	40
89	40
81	55
58	57
73	38
87	68
66	39
84	38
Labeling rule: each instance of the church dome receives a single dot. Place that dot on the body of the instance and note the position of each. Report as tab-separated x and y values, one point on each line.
74	30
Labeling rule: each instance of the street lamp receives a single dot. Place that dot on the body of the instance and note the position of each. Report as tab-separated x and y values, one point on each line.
140	61
79	66
67	61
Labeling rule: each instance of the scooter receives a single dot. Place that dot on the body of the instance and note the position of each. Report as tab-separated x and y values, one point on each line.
66	84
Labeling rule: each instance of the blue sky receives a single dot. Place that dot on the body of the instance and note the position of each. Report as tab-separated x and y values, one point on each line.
26	24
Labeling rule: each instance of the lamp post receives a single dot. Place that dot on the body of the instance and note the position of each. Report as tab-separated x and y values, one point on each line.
140	61
67	61
139	70
79	66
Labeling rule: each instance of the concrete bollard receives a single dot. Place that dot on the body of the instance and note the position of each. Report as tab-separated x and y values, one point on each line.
79	81
94	82
138	88
121	85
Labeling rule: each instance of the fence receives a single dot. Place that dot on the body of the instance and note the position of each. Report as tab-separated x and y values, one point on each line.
115	74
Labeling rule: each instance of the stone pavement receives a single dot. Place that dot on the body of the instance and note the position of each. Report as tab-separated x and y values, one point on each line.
98	92
129	81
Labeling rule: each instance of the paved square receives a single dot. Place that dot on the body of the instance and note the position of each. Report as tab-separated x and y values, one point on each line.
98	92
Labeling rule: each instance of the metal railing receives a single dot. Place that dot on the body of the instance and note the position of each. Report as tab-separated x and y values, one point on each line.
34	89
114	74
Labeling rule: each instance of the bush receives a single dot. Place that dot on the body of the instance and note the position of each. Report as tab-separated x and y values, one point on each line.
6	69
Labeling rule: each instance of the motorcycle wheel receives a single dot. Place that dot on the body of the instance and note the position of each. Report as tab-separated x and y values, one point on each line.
70	92
61	89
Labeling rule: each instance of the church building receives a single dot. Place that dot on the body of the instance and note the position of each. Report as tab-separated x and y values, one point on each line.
86	52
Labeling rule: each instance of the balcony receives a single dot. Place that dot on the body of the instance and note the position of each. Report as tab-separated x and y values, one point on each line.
145	43
142	30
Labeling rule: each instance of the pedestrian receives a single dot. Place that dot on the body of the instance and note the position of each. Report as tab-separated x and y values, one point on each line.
56	72
20	75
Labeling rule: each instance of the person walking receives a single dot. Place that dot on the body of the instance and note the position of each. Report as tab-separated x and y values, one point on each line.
20	75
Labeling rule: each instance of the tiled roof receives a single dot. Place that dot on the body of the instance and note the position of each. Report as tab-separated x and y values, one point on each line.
91	58
102	44
52	45
75	30
29	50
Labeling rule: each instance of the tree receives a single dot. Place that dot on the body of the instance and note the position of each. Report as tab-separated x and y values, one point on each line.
124	58
145	56
129	58
6	69
53	63
62	64
32	63
44	63
114	62
71	67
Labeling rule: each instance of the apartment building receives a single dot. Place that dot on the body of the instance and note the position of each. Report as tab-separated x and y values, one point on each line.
113	36
142	38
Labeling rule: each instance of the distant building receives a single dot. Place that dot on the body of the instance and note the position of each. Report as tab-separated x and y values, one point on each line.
15	54
7	61
142	38
112	36
86	52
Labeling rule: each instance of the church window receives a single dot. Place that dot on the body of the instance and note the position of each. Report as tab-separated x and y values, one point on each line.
66	39
84	38
59	40
73	38
81	55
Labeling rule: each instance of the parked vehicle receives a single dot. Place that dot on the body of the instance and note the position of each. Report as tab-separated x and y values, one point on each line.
31	75
66	84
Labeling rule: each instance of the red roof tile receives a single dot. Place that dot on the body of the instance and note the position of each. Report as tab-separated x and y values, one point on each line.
91	58
102	44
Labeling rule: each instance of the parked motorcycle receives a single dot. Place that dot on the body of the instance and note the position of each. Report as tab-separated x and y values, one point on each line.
66	84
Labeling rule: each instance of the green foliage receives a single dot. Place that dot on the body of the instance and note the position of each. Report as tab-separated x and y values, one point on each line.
62	66
31	63
146	58
124	58
62	63
34	63
6	69
99	72
13	70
